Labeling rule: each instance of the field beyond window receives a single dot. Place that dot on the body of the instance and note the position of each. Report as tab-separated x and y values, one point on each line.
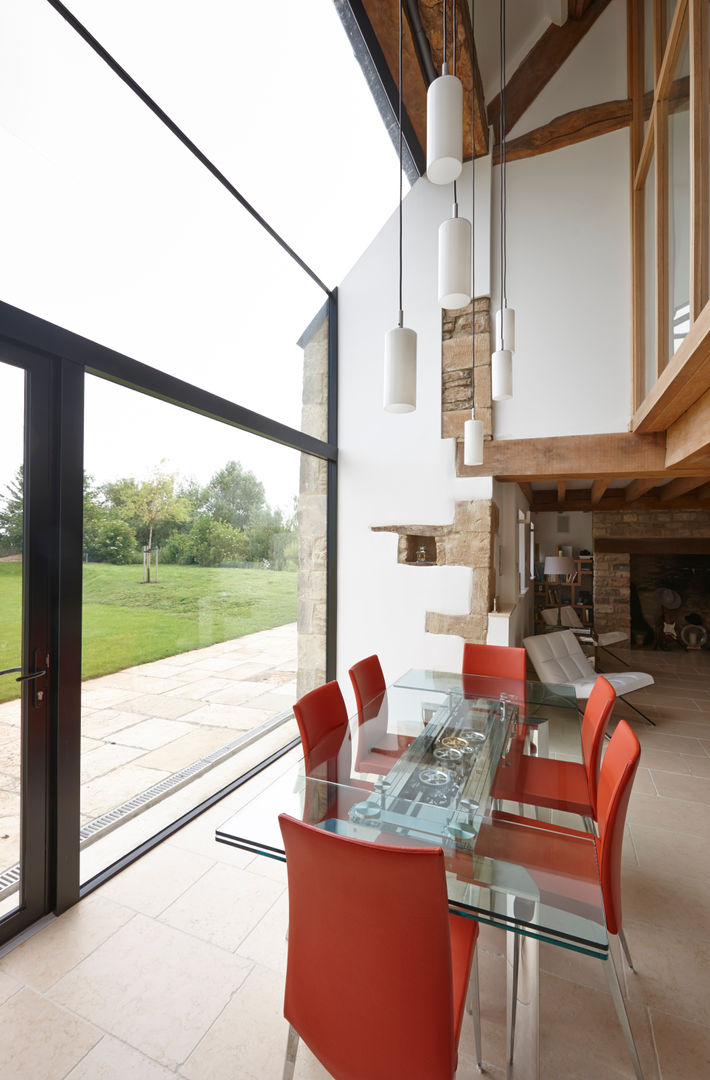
128	623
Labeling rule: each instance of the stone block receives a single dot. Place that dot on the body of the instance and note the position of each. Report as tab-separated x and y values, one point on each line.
452	423
456	354
482	389
456	390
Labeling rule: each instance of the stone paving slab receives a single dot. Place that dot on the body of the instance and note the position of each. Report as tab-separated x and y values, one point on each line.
152	720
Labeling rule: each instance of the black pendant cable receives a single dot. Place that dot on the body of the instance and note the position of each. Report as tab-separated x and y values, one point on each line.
400	343
473	428
502	359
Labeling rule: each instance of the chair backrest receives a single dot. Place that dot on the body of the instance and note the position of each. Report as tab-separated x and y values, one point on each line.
369	979
569	617
596	716
497	661
558	658
551	616
616	779
322	720
369	686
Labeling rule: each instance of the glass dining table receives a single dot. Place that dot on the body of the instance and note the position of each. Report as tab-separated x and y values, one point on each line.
429	762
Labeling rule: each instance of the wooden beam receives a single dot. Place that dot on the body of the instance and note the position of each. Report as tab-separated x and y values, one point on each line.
430	14
579	500
598	489
573	127
561	488
527	491
703	492
684	380
681	486
577	8
544	59
688	439
571	457
658	545
637	488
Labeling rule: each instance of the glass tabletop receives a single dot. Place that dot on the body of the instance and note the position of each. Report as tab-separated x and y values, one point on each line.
420	766
533	693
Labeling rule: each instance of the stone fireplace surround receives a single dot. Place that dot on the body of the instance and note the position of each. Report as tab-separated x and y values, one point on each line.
620	534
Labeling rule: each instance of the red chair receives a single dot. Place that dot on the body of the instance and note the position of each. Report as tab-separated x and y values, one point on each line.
562	785
322	720
377	749
504	663
521	845
377	967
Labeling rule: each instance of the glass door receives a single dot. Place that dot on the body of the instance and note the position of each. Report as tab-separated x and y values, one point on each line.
25	551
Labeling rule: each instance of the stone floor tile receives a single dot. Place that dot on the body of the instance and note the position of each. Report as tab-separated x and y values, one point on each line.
40	1040
153	987
683	1048
154	882
113	1060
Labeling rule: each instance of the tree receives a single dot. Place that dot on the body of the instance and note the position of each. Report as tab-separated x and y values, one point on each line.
149	506
234	495
213	542
12	514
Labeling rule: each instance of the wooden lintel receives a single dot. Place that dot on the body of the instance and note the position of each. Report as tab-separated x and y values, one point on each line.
637	488
544	59
681	486
561	489
688	439
572	127
527	491
579	500
657	546
703	492
685	379
598	489
572	457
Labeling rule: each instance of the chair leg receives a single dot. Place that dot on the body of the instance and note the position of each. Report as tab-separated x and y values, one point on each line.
625	947
473	1005
643	715
291	1049
615	990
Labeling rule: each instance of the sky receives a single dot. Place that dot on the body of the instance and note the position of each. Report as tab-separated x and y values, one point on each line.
113	230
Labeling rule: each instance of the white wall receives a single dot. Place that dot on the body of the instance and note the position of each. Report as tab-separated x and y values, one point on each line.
548	536
396	469
569	277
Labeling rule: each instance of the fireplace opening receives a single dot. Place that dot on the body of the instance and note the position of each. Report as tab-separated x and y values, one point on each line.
670	601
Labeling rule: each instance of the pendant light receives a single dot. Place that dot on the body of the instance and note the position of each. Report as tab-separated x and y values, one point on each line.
502	359
400	342
454	244
473	428
444	124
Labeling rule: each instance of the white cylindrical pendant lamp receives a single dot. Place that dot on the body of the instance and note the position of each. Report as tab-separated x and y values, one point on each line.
502	374
473	441
444	129
400	370
505	321
455	263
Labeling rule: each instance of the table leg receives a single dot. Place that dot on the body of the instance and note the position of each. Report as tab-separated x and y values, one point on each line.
523	1007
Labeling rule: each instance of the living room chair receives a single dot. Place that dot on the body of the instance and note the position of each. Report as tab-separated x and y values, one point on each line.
377	748
378	970
525	846
559	659
569	786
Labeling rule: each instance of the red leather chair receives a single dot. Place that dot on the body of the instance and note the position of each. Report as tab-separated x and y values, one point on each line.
377	967
505	663
511	838
377	749
322	720
562	785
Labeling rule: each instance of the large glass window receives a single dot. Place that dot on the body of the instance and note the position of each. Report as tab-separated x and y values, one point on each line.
649	204
203	610
679	201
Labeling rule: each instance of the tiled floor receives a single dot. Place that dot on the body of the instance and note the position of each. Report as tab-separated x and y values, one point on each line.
175	967
143	724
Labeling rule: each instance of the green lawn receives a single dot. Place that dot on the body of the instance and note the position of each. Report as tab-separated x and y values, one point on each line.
126	623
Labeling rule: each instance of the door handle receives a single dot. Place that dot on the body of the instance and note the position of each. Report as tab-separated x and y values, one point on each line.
32	675
10	670
37	695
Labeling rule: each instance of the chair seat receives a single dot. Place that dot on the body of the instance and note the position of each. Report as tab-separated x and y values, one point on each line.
546	782
558	659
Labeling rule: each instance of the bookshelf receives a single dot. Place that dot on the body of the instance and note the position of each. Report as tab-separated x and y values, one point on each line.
566	591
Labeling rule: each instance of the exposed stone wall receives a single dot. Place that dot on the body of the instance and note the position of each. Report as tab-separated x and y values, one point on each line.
312	518
468	541
457	369
612	571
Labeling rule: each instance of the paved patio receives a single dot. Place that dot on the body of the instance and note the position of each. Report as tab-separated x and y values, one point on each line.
143	724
